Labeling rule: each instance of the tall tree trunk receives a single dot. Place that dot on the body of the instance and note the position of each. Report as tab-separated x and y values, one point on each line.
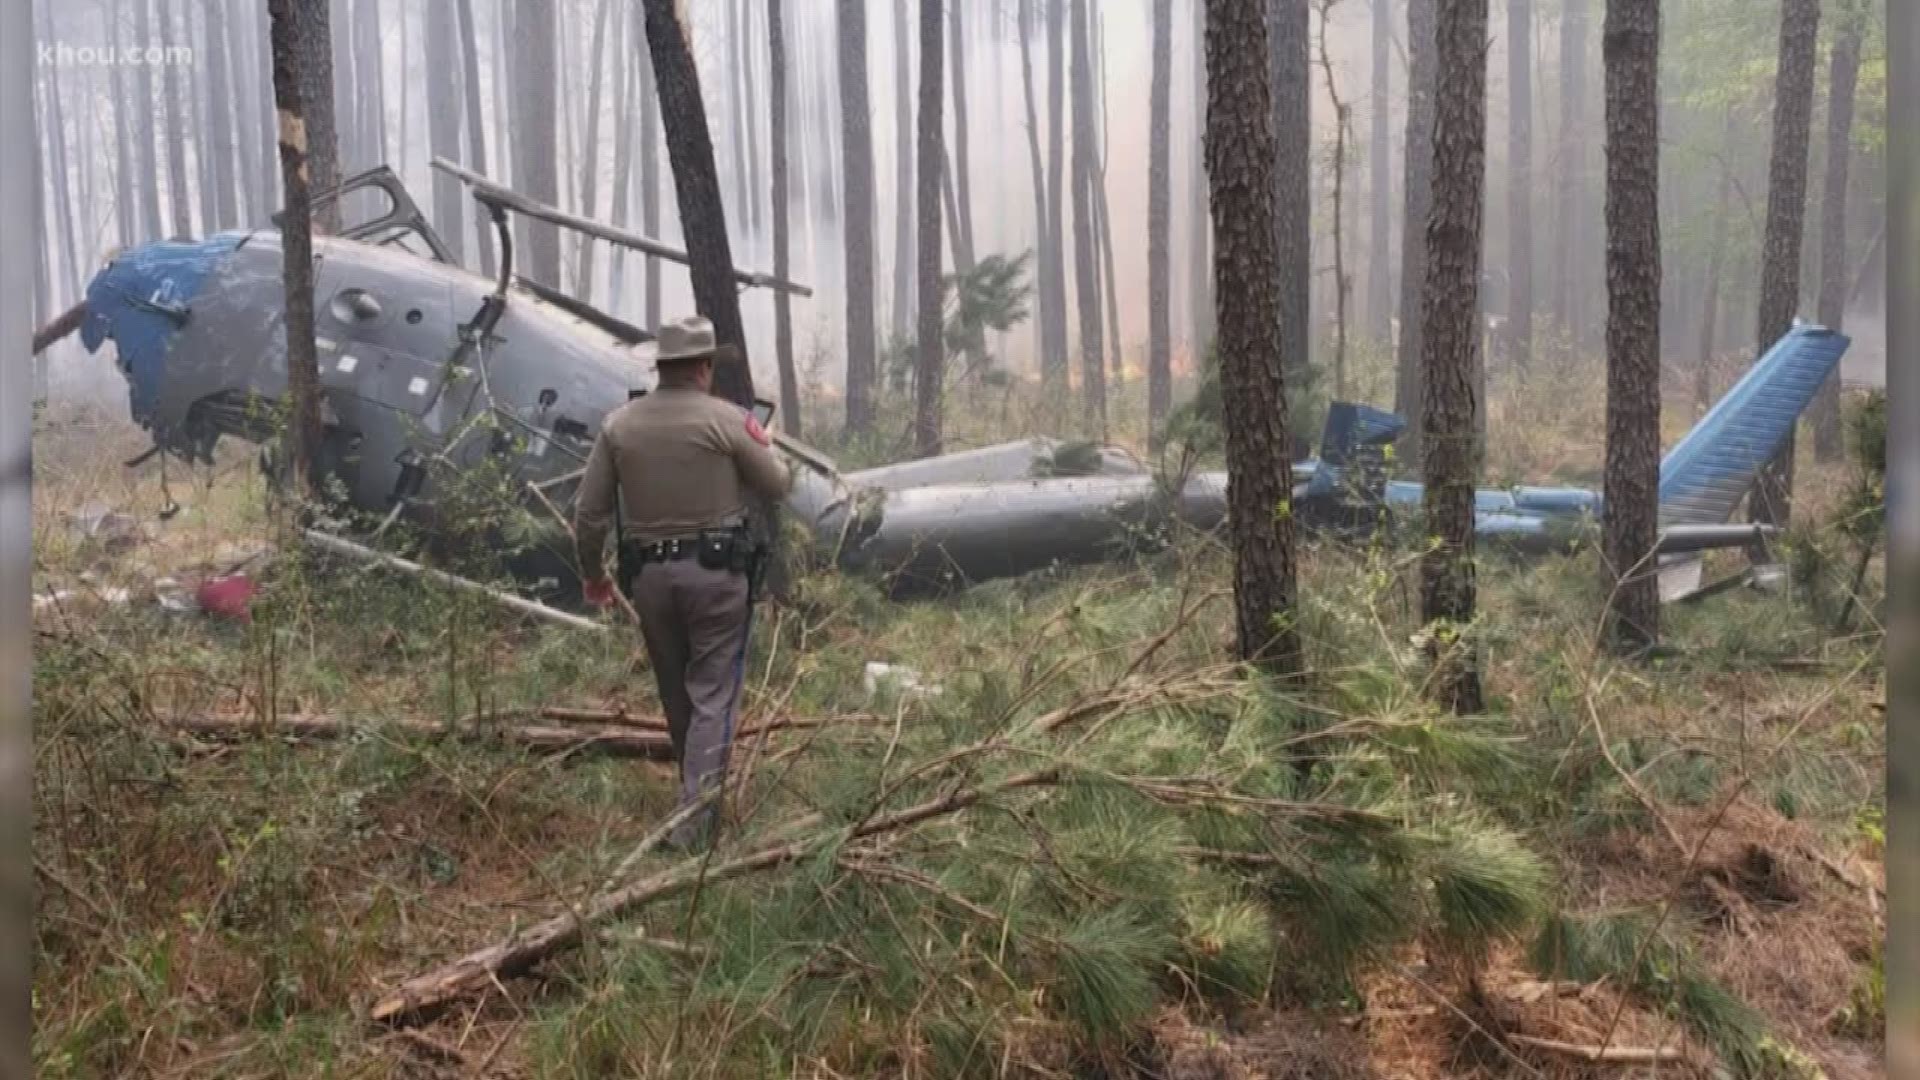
903	170
1291	100
146	133
1241	156
751	107
1108	285
1631	44
1450	316
1716	255
777	131
1199	220
444	87
930	373
370	85
857	142
1422	76
963	187
1093	380
649	171
504	80
345	87
299	32
321	150
1831	308
61	175
177	194
218	144
1159	226
950	203
1054	362
702	216
1573	164
476	124
1342	284
1520	183
1772	499
1042	225
1379	180
590	167
126	213
536	126
266	122
737	106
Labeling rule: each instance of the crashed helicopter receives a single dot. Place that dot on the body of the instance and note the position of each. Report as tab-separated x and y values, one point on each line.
429	370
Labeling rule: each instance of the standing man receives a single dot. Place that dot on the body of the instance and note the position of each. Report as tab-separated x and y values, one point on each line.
681	462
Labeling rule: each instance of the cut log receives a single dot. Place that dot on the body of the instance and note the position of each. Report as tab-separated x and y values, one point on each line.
605	739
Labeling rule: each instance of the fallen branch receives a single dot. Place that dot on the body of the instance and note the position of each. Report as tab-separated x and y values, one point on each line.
482	969
1615	1055
610	740
360	553
622	718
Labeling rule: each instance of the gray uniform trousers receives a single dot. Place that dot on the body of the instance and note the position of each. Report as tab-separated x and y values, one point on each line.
694	621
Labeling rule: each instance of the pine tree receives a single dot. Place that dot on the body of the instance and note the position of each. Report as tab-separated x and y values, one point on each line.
1159	225
1844	73
1519	182
296	39
1422	72
1240	166
930	354
1772	497
857	168
1450	339
1631	43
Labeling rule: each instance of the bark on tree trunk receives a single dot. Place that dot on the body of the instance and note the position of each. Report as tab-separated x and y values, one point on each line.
1422	73
1199	219
697	184
1159	226
1631	43
782	304
1380	180
177	193
537	121
321	148
649	166
1042	225
1520	183
1054	361
476	123
1772	499
857	142
1289	69
1710	286
930	358
903	171
1108	284
443	125
1572	155
1093	380
1240	165
1831	308
962	174
146	134
1342	283
299	31
590	167
1450	338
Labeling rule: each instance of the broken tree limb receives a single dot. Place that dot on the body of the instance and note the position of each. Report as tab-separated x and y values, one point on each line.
479	970
341	546
622	718
611	740
1617	1055
65	323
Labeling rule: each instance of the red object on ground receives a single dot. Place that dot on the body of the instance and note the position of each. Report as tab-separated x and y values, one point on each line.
227	597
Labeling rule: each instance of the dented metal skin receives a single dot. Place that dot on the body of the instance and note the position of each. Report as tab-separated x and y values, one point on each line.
416	401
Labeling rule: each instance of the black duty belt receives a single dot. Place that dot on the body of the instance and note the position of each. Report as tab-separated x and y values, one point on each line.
666	550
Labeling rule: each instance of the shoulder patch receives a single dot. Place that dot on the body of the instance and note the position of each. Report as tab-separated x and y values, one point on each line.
756	432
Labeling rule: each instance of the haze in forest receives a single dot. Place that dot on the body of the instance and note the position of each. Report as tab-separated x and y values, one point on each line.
209	54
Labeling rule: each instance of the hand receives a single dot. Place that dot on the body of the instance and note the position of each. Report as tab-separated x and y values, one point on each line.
597	591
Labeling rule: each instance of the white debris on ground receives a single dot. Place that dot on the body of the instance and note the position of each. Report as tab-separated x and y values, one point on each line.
904	681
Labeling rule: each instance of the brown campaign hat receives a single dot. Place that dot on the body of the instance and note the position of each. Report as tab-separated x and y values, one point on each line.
690	338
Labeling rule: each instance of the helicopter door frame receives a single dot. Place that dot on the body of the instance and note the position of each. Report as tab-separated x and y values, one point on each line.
403	214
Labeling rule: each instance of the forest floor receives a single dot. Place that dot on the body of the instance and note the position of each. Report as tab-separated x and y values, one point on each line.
1209	878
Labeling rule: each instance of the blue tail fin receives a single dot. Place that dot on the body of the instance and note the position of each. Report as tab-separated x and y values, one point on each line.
1707	473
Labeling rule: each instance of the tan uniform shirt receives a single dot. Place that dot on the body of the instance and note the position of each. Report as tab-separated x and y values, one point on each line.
681	460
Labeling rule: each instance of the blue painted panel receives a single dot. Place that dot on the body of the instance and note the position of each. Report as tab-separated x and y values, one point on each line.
141	299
